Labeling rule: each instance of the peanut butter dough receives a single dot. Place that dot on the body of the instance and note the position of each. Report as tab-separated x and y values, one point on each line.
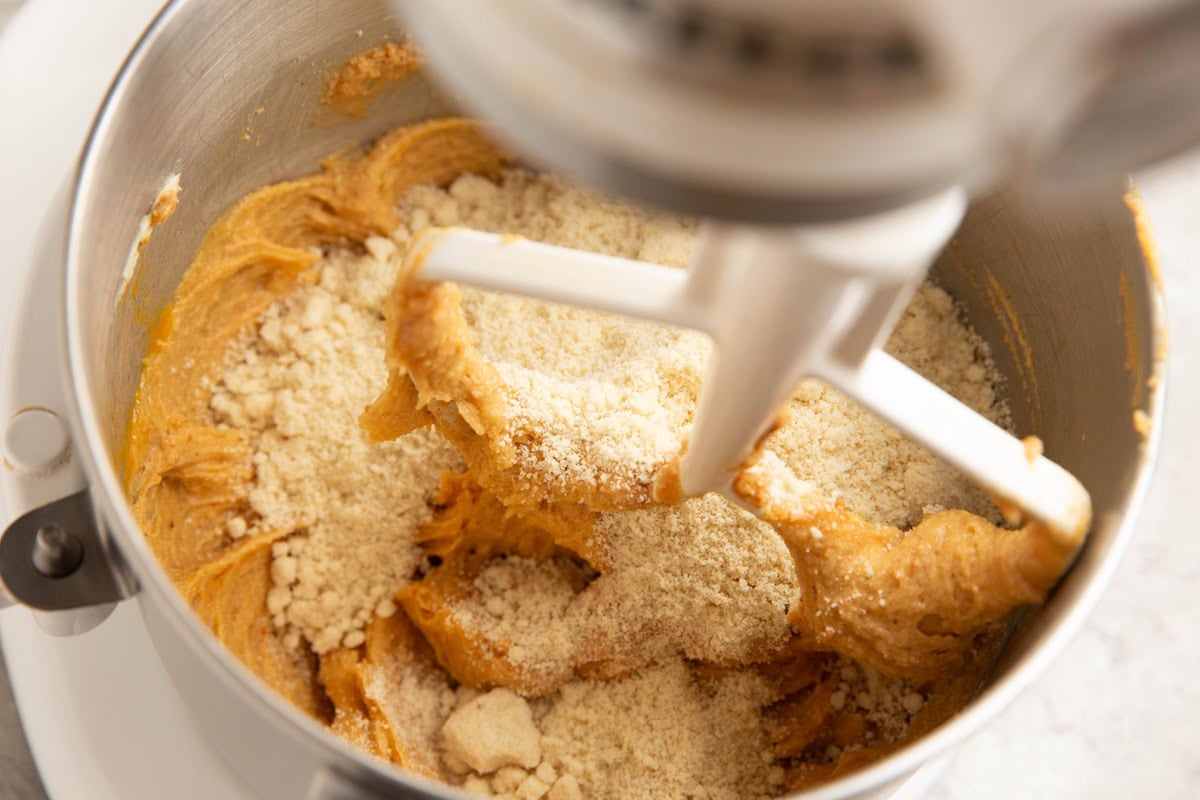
743	657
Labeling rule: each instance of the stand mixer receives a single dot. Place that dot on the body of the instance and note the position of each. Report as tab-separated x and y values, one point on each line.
833	146
124	169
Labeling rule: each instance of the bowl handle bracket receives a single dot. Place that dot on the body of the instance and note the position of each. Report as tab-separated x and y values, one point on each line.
55	560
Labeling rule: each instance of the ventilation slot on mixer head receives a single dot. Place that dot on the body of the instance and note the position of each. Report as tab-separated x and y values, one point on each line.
839	58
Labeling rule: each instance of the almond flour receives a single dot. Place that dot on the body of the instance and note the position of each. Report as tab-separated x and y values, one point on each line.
298	388
610	400
663	733
600	399
704	580
593	397
848	452
492	731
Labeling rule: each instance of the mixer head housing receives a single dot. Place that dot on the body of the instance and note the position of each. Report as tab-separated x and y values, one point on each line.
791	111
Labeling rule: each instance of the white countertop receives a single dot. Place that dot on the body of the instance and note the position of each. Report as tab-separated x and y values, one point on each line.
1118	715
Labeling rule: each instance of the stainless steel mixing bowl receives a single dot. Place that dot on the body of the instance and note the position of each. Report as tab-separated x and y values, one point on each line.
1075	330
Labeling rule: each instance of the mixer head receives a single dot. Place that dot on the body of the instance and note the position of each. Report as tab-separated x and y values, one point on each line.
810	110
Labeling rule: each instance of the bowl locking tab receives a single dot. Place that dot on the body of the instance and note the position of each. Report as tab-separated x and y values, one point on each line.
54	558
